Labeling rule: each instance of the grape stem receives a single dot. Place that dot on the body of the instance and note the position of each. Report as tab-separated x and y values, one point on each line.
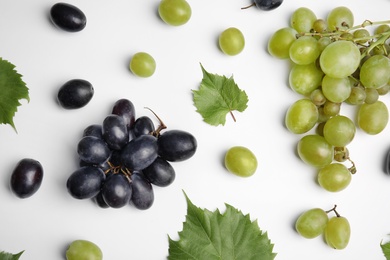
160	127
334	210
246	7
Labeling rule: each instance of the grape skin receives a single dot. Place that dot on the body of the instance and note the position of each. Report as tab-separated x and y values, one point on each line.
337	232
26	178
334	177
83	249
301	116
311	223
373	118
314	150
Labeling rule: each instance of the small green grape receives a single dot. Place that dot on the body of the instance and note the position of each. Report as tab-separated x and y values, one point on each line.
339	130
334	177
174	12
311	223
280	42
304	79
143	64
340	18
231	41
83	249
373	118
314	150
240	161
337	232
304	50
301	116
302	19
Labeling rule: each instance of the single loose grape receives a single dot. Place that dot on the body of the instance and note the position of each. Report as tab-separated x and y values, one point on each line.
83	249
301	116
174	12
143	64
314	150
231	41
334	177
311	223
373	118
337	232
280	42
240	161
339	131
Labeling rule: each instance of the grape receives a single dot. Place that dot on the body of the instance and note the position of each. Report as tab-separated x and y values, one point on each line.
68	17
75	93
320	26
85	182
337	232
125	108
83	249
304	79
94	130
317	97
140	152
143	195
240	161
115	132
334	177
340	59
373	118
357	96
266	5
160	173
143	126
304	50
336	90
383	90
311	223
314	150
279	43
340	18
142	64
331	109
302	19
100	201
301	116
339	131
116	190
174	12
231	41
372	95
93	150
26	178
362	35
323	42
176	145
375	72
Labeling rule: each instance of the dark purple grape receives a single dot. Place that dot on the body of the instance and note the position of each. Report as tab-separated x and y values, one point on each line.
143	195
68	17
94	130
75	93
160	173
139	153
143	126
176	145
116	190
85	182
115	132
26	178
266	5
100	201
93	150
125	108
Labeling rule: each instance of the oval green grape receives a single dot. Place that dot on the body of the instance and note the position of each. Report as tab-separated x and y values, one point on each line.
304	50
301	116
314	150
83	249
175	12
302	19
339	131
373	118
240	161
231	41
334	177
375	72
337	232
304	79
336	90
280	42
311	223
340	18
142	64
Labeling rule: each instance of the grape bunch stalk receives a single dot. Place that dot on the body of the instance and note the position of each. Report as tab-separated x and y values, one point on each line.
334	64
124	156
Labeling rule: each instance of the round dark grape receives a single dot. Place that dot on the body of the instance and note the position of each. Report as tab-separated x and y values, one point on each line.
160	173
116	190
140	152
93	150
115	132
94	130
68	17
143	195
85	182
26	178
125	108
75	93
143	126
176	145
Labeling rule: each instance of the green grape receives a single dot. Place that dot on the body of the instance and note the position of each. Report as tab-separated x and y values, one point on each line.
319	25
372	95
174	12
361	36
280	42
375	71
303	79
383	90
142	64
336	90
331	108
340	18
314	150
304	50
240	161
322	117
301	116
339	131
341	154
340	59
311	223
337	232
334	177
83	249
357	96
373	118
381	29
302	19
231	41
317	97
323	42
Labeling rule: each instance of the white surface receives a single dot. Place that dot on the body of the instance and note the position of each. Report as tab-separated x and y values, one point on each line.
283	186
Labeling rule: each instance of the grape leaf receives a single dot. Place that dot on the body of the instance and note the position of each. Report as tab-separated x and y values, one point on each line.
9	256
212	235
386	250
217	96
12	89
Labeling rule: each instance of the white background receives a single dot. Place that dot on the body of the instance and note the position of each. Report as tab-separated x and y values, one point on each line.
282	188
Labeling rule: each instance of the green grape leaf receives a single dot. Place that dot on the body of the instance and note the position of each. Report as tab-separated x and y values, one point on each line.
386	250
217	96
212	235
12	89
9	256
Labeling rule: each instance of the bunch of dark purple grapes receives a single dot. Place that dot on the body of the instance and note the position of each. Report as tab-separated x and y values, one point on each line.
121	158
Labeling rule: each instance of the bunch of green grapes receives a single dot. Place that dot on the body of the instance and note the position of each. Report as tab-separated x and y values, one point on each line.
334	62
315	222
